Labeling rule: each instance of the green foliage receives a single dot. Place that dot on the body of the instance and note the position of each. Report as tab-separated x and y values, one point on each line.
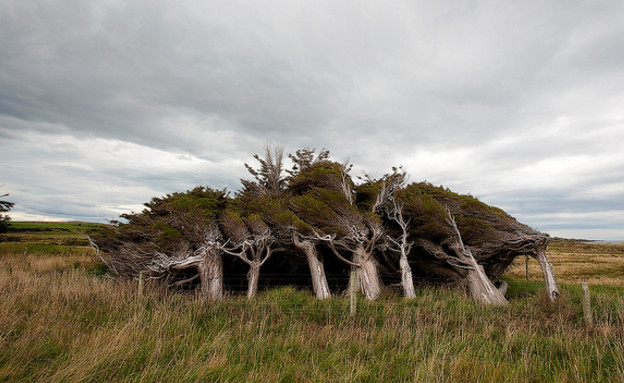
320	190
268	179
319	175
366	195
169	237
478	222
475	231
5	206
305	158
233	226
428	216
167	223
202	200
314	210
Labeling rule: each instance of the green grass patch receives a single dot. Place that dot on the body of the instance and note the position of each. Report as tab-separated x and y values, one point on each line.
62	321
42	249
54	226
101	332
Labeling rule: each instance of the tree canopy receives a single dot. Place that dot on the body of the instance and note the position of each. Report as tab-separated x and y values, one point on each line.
318	214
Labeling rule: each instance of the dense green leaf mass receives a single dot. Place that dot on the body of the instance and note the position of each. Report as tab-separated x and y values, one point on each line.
167	223
317	197
477	221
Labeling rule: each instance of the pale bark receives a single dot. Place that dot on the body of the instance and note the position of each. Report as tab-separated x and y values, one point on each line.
368	275
317	269
502	287
481	288
370	282
402	246
251	252
549	274
406	277
211	275
209	266
253	276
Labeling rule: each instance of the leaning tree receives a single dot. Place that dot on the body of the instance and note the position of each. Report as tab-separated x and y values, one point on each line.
174	234
461	239
378	196
268	197
250	240
317	211
324	197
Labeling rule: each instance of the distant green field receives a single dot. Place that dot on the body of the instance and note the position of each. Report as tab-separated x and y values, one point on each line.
54	226
47	238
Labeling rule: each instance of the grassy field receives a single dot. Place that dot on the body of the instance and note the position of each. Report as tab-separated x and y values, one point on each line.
63	320
575	261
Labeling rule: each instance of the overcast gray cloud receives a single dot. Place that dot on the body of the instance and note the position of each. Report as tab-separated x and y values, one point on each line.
105	104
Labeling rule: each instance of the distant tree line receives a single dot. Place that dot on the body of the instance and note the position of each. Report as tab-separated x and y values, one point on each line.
5	207
315	214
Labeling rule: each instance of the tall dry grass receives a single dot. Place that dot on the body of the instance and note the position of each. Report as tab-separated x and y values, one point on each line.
60	322
575	261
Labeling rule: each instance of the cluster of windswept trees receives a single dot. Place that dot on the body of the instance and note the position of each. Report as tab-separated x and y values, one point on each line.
315	213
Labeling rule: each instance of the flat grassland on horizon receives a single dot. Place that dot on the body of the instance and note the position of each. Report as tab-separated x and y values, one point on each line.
62	319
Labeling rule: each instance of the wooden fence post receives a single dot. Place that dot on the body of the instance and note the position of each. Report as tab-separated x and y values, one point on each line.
353	290
586	304
141	283
527	266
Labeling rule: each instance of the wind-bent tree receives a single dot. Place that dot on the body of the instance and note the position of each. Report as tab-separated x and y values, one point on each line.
324	197
444	255
401	245
461	239
317	210
269	197
496	239
268	178
5	207
377	196
251	241
174	233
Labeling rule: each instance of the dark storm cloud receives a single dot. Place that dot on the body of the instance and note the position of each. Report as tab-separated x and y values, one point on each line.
106	104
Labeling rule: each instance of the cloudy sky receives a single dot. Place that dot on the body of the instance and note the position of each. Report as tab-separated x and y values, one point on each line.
105	104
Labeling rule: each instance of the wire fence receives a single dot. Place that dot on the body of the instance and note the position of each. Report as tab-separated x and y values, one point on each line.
237	283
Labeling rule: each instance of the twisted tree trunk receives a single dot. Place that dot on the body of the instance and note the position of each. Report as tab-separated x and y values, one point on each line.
317	269
211	274
548	271
480	287
253	276
402	246
406	277
370	283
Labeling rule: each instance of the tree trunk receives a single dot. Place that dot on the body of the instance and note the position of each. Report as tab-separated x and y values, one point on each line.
368	274
317	269
406	277
211	275
549	274
480	287
253	277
